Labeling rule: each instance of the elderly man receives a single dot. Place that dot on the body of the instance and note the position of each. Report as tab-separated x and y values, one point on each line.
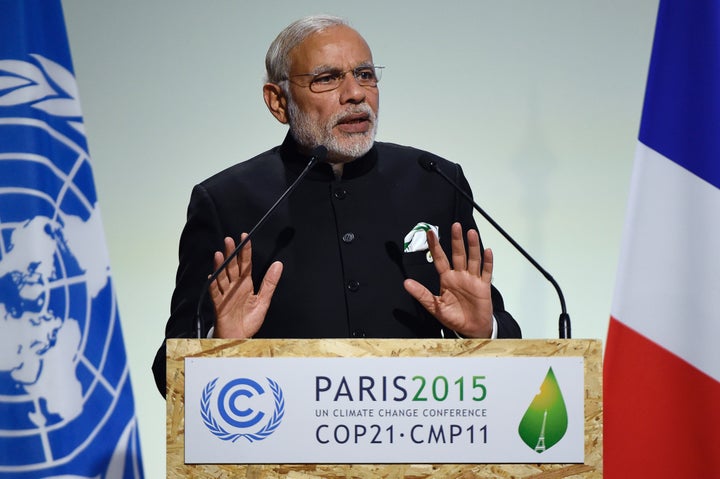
348	255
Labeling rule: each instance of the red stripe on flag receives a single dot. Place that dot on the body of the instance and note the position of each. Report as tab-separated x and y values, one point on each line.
661	414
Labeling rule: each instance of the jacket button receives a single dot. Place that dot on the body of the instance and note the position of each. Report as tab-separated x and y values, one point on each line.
353	285
340	193
348	237
358	333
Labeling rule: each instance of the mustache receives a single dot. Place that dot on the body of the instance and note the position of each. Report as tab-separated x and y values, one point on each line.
354	111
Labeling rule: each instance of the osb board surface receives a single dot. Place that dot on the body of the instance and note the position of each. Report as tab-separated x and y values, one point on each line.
178	349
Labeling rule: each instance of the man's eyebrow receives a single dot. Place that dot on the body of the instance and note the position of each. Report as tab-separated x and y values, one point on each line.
323	69
333	69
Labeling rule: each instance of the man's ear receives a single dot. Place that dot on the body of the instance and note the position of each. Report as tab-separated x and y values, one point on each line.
276	101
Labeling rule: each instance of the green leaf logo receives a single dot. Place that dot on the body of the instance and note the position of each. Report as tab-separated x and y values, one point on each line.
545	421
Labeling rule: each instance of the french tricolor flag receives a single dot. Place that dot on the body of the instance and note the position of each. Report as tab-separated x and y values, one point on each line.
662	359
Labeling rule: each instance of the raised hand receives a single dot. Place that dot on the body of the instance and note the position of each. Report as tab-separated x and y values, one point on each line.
239	312
464	303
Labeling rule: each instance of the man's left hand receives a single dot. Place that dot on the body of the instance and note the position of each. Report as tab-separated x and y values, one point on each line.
464	304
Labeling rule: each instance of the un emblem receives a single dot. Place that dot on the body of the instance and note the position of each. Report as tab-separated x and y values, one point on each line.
245	408
65	392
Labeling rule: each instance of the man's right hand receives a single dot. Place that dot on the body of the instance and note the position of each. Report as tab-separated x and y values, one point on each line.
239	312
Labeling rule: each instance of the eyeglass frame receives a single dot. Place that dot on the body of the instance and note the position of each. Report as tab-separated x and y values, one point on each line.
376	70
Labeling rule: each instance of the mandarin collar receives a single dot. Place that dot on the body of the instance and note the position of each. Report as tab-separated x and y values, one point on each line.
296	161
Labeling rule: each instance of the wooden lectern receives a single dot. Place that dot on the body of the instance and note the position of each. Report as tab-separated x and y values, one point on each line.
179	349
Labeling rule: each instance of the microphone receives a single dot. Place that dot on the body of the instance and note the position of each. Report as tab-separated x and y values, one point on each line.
318	154
564	321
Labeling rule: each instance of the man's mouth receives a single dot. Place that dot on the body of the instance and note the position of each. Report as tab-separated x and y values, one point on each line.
356	123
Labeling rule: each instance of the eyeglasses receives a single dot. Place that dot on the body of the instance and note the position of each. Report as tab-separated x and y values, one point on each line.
366	76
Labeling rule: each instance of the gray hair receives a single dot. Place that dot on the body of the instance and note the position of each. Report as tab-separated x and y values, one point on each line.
277	59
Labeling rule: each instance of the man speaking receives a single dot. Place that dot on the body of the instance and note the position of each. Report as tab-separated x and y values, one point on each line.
369	244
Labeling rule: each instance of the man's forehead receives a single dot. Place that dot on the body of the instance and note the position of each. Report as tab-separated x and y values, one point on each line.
331	48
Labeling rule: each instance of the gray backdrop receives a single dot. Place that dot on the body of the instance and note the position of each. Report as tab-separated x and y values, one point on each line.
539	101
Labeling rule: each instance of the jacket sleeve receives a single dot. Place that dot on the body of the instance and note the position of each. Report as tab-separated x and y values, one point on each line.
507	326
201	237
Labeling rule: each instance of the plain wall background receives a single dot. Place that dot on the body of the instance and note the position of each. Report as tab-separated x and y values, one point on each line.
538	100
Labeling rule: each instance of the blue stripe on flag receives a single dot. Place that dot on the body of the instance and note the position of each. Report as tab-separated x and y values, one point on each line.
681	116
44	17
66	401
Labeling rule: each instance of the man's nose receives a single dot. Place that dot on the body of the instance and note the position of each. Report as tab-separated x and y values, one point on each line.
350	90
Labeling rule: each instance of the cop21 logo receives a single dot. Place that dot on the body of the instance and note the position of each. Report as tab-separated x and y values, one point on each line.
243	407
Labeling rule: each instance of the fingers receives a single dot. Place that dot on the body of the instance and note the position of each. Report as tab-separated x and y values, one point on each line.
439	259
421	294
488	266
234	270
220	283
218	259
470	261
459	258
231	268
474	258
243	260
245	256
214	288
269	283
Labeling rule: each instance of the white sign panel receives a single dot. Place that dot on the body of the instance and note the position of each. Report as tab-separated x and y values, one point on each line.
384	410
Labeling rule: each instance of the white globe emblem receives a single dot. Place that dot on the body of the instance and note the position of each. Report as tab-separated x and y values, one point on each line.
62	363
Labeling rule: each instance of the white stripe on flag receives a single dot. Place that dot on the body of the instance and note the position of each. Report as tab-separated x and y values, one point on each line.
669	276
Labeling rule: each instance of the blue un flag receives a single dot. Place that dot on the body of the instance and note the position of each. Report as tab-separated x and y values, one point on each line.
66	403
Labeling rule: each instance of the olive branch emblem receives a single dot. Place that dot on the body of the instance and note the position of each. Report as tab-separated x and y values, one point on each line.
220	432
44	85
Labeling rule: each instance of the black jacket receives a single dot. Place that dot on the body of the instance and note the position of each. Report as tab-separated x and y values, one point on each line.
340	241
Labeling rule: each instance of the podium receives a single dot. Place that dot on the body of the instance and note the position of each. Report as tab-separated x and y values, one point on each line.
184	351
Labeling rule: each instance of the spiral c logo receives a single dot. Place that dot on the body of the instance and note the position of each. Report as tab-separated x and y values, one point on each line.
239	421
228	398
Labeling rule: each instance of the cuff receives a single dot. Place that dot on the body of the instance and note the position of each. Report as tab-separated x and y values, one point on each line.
493	334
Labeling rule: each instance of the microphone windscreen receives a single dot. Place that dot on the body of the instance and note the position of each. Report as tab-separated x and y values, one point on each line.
319	153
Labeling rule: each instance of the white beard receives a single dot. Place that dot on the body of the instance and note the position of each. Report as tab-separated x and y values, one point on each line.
347	147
